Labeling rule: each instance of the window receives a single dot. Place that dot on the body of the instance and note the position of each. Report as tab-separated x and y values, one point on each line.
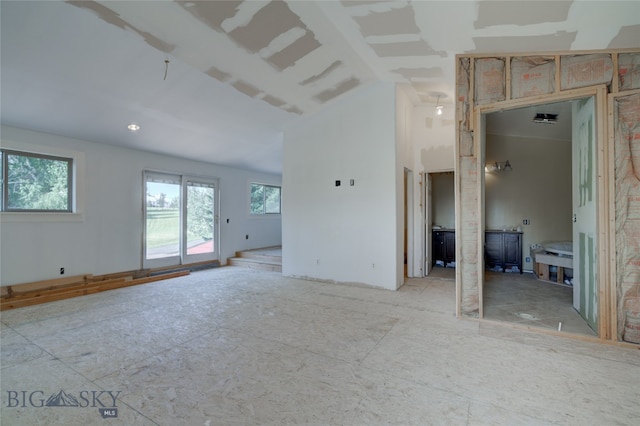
35	182
265	199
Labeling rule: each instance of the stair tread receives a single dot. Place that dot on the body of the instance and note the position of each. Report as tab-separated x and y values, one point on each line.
264	259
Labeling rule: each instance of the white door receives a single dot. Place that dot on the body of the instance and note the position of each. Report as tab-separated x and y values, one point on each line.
428	224
584	210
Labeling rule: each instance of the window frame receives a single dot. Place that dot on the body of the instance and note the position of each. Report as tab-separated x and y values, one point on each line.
264	205
4	202
79	182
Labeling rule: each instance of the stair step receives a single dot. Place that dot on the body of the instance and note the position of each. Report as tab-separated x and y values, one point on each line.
261	264
258	256
265	259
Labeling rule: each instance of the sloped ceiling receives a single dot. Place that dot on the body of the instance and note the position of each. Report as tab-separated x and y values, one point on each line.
219	80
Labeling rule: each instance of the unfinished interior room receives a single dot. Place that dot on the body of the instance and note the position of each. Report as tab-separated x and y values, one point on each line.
320	212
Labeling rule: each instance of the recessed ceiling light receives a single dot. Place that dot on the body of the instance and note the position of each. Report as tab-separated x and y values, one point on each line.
133	127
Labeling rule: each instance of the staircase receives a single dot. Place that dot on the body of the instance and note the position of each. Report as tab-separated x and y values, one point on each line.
265	259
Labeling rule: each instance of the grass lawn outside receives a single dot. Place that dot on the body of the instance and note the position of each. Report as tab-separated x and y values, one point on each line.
163	227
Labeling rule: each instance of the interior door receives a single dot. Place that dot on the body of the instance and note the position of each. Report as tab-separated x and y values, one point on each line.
429	224
584	210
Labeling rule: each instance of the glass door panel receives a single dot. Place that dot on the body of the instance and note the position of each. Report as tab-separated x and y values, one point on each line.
162	217
201	218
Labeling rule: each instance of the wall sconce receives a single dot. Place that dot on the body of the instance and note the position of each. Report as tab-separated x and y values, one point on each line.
498	166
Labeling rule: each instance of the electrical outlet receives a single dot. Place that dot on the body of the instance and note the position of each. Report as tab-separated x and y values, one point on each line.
527	259
61	271
246	237
526	222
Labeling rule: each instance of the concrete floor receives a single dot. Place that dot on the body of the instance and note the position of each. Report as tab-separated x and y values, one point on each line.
525	300
233	346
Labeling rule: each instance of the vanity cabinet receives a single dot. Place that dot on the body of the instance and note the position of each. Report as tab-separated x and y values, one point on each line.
444	246
503	248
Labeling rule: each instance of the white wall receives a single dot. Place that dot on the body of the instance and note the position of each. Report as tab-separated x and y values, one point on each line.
405	164
107	236
443	200
538	188
346	233
434	138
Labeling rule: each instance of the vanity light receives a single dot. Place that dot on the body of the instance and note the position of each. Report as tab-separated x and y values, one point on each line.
498	166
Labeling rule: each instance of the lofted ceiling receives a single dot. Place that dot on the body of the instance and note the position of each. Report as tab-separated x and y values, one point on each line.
218	81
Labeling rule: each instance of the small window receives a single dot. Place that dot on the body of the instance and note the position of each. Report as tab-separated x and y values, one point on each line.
265	199
35	182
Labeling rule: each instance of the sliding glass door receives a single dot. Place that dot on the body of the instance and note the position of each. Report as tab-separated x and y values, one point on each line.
180	215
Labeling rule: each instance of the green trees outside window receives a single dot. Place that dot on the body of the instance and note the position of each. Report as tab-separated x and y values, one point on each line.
36	182
265	199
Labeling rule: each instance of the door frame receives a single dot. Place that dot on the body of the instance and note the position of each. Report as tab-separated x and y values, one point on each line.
428	223
182	258
408	224
606	327
427	212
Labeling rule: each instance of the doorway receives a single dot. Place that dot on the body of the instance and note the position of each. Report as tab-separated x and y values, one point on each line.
537	176
440	224
180	220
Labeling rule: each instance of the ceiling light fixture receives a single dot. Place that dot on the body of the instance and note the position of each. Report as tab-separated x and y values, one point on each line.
133	127
545	118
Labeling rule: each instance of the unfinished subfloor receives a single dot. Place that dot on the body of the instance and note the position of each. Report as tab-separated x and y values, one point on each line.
237	346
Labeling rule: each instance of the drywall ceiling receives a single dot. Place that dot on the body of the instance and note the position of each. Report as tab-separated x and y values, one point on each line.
519	122
240	71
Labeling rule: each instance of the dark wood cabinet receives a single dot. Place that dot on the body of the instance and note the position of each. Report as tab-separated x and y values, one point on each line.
444	246
503	249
